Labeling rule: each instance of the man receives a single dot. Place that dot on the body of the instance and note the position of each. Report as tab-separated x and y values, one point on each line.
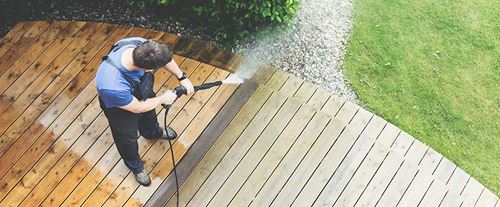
119	80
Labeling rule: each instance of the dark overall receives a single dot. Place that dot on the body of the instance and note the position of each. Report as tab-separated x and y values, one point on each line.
125	124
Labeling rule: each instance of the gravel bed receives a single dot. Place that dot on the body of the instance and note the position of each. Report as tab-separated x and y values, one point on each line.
111	11
313	48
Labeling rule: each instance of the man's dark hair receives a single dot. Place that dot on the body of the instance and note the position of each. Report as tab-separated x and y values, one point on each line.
151	55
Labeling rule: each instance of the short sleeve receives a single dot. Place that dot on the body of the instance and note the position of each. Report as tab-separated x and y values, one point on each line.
115	98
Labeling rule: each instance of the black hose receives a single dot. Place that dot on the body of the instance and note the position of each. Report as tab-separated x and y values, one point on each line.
167	108
180	90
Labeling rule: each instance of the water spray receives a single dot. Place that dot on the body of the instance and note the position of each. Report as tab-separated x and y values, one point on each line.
180	91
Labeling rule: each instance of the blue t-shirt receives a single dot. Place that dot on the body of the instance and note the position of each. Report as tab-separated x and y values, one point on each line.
113	88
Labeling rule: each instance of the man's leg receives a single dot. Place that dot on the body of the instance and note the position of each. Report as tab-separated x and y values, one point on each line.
124	126
149	127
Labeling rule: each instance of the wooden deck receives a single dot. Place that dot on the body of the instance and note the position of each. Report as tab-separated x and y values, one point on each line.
273	141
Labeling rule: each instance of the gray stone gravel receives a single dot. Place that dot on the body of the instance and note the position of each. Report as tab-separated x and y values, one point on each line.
314	47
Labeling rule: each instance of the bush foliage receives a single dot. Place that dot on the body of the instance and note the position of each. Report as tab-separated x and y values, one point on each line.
230	19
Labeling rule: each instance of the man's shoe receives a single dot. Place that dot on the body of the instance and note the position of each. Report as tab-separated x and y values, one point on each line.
143	178
169	133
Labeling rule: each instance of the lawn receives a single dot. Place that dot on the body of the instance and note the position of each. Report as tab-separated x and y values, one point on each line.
431	67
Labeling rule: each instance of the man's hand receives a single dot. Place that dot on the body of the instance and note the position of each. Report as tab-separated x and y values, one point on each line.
188	85
168	97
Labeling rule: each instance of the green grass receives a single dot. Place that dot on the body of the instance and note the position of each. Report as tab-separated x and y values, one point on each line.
431	67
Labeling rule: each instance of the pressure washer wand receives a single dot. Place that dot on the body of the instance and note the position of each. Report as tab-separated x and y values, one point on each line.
181	90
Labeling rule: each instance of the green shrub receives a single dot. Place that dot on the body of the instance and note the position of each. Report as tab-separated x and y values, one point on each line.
231	19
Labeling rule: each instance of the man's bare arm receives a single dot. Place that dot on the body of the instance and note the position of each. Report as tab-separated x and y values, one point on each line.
149	104
174	68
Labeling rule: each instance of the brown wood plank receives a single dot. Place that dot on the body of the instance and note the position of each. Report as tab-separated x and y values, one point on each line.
57	173
120	192
86	179
31	134
367	168
39	74
209	53
67	83
89	158
153	34
271	159
189	47
254	154
222	144
142	194
350	163
28	51
20	82
38	28
18	30
14	34
222	60
169	39
291	86
17	70
203	144
70	89
80	170
235	63
334	156
117	172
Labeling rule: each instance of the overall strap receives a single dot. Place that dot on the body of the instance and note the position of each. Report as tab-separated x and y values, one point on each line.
129	80
116	47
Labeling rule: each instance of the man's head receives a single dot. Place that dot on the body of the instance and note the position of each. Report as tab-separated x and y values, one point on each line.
151	55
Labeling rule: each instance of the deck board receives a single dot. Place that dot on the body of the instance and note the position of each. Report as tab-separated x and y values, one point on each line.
222	144
348	166
367	168
13	35
273	157
313	188
275	140
233	156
